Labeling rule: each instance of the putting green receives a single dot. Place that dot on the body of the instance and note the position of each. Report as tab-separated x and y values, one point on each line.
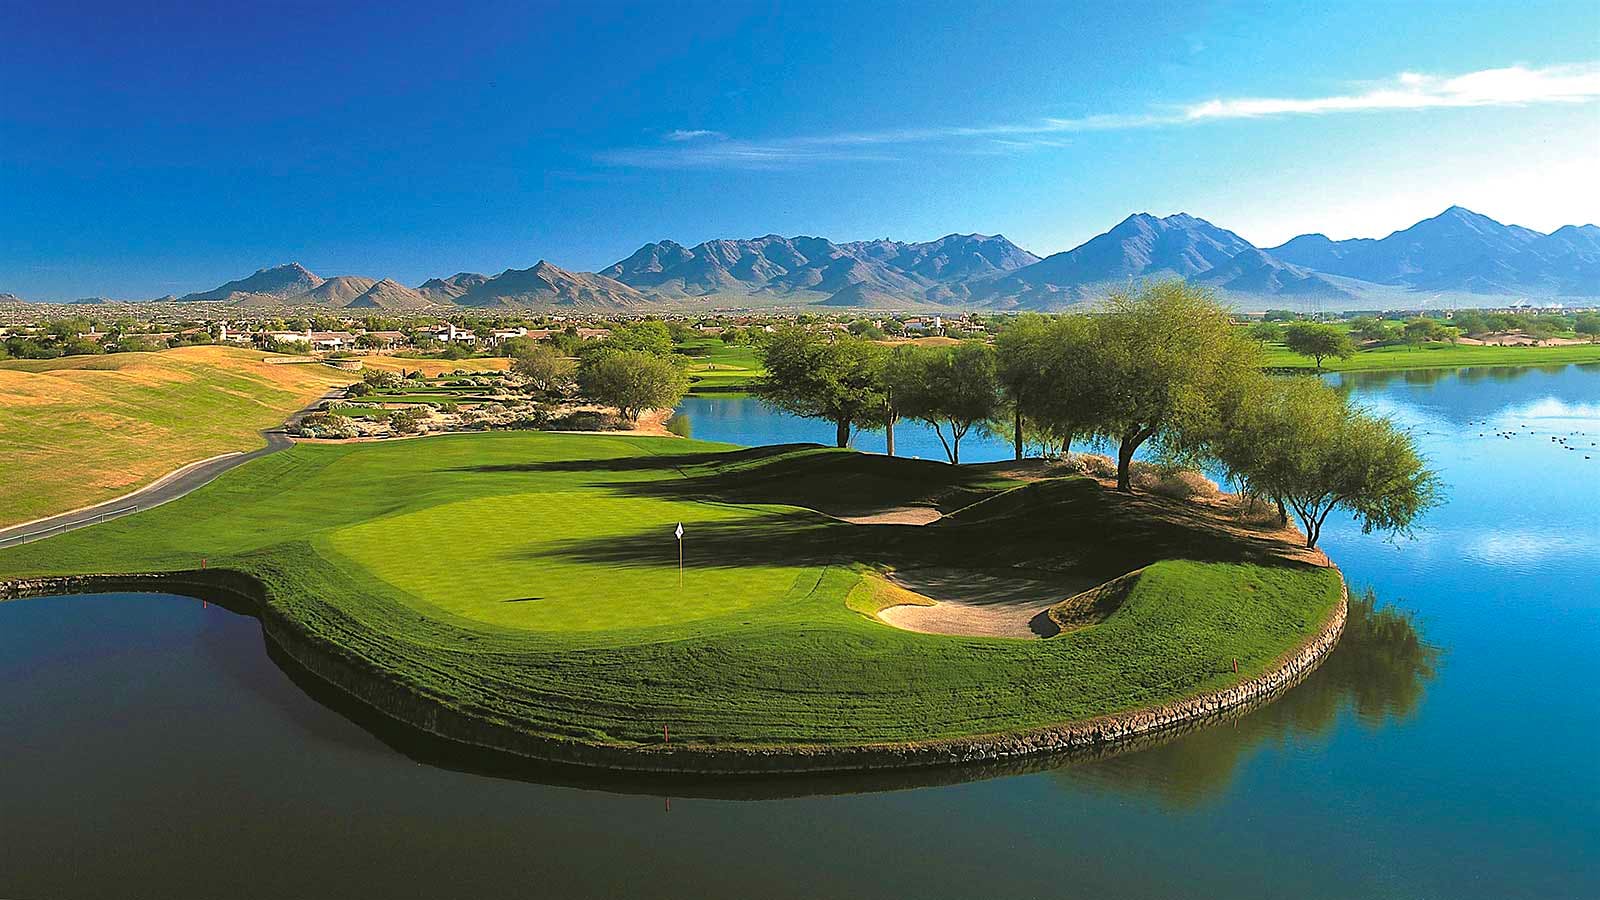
502	560
416	564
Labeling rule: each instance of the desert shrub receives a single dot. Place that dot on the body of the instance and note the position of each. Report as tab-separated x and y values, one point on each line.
326	425
376	378
359	389
585	420
408	421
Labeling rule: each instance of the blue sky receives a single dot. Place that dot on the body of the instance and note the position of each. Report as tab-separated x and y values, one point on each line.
168	148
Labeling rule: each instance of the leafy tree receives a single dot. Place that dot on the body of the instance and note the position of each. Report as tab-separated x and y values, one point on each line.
1299	442
1280	315
1318	341
650	336
1023	372
812	375
948	387
1266	332
1422	329
543	367
632	381
1162	360
1587	324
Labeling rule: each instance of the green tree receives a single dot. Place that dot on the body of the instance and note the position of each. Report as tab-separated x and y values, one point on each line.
632	381
1318	341
820	377
650	336
1587	324
1162	359
543	367
1300	443
950	388
1266	332
1023	372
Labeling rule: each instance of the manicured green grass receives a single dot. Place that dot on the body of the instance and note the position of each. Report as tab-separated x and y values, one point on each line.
532	578
1436	356
720	368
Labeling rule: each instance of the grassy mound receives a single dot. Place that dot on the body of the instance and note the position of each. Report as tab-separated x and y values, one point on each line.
117	422
533	579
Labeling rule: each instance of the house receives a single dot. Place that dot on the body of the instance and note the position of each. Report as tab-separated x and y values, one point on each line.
383	340
501	335
448	333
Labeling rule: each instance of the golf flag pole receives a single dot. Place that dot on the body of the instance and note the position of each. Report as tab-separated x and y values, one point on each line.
679	534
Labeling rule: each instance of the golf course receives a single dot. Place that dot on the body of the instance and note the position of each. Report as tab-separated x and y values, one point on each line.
523	591
81	430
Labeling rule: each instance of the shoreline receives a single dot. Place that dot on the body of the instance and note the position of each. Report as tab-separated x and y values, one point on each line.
433	716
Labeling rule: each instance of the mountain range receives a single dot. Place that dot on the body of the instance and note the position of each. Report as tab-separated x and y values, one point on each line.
1456	253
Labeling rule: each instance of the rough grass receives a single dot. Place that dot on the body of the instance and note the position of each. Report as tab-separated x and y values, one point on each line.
423	560
79	430
432	367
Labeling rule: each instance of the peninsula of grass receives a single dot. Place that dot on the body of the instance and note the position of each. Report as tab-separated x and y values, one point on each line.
527	584
1436	356
81	430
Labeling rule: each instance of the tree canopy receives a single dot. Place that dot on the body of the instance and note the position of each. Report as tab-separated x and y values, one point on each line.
1157	365
825	376
1300	443
632	381
950	388
1318	341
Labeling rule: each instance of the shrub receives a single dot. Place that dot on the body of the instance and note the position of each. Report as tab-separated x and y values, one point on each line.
408	421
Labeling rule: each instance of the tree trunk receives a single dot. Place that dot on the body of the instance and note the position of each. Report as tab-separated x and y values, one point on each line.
843	433
1125	464
1283	513
1016	439
889	428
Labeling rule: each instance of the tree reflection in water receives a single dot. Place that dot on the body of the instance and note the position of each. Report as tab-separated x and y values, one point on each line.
1378	673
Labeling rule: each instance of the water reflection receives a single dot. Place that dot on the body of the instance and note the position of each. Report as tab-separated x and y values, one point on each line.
1378	675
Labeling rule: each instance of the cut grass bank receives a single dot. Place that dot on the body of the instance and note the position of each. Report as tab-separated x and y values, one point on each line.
1436	356
85	429
521	590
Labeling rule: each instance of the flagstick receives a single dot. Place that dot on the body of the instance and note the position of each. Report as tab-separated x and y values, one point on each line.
680	563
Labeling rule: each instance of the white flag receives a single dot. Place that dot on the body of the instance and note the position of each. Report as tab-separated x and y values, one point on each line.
679	532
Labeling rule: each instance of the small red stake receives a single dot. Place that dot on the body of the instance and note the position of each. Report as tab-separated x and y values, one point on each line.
1236	667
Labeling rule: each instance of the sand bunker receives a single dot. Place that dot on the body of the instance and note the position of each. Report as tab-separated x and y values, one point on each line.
896	515
983	604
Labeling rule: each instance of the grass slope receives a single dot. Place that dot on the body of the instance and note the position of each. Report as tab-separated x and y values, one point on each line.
533	578
83	429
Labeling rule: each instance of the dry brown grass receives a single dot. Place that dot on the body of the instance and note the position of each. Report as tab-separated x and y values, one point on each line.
82	430
433	367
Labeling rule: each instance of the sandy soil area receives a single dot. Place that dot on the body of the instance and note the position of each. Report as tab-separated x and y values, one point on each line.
985	604
896	515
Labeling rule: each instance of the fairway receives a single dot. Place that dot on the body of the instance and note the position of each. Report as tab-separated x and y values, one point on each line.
1436	356
84	429
530	580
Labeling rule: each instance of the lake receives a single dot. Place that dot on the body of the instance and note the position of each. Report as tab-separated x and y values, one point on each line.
151	747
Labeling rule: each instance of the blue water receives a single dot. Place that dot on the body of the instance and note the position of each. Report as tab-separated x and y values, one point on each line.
151	748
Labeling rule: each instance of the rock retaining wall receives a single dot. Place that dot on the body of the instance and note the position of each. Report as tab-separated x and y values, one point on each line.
416	708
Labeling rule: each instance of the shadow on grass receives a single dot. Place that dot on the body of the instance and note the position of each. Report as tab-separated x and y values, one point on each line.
796	539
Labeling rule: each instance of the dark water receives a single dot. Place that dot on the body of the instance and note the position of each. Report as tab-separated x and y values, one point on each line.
150	747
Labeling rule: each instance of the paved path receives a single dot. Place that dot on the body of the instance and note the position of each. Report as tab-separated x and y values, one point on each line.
168	487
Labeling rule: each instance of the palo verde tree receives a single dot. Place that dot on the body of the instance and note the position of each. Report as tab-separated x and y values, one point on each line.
1318	341
1300	443
1163	359
950	388
632	381
1023	368
822	376
545	370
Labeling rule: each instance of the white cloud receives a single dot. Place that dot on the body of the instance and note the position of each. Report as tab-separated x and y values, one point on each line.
1511	86
680	134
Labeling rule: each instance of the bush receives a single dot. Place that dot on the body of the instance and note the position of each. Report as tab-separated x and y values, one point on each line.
381	380
408	421
585	420
359	389
326	425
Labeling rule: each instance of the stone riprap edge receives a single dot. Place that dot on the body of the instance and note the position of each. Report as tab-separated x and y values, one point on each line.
416	708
